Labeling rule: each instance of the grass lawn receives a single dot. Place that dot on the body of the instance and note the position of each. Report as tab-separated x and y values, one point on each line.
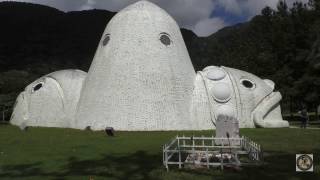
51	153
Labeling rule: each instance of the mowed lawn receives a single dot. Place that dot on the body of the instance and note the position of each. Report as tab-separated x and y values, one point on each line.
52	153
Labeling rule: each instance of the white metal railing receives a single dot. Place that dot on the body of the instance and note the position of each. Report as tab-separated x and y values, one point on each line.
179	150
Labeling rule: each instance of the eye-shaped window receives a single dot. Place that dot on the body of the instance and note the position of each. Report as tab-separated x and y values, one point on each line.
248	84
37	87
106	39
165	39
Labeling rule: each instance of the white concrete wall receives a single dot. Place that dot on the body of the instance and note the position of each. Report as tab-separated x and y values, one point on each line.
201	110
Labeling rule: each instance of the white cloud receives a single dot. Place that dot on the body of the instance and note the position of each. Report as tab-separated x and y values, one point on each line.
208	26
231	6
90	4
187	12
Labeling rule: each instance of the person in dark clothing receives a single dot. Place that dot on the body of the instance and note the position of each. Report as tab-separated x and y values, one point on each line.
304	117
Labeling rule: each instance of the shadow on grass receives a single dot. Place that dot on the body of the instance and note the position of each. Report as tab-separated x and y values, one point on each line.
277	165
21	170
134	166
4	123
140	165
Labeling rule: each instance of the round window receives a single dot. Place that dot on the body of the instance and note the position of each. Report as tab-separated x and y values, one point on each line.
37	87
106	39
165	39
248	84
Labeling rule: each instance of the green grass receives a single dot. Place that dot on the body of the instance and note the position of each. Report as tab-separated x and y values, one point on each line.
51	153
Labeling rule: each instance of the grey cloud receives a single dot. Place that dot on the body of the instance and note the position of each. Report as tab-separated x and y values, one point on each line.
190	14
208	26
186	12
250	7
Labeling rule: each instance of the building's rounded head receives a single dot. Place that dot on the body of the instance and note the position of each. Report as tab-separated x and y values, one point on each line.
141	73
143	24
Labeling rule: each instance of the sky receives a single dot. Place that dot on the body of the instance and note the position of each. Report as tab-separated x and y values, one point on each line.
203	17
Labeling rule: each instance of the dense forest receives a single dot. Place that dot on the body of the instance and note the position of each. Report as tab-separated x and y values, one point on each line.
281	44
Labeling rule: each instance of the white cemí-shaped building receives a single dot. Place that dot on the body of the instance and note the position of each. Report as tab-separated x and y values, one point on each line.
50	101
141	77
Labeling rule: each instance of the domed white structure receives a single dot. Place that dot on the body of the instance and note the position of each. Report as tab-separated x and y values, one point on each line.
141	77
50	101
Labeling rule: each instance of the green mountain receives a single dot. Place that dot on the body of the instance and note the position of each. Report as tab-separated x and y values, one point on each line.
281	44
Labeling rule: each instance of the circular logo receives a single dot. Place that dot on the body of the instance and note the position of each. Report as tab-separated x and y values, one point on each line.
304	162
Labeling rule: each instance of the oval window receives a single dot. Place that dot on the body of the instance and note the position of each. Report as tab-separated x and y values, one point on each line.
248	84
165	39
106	39
37	87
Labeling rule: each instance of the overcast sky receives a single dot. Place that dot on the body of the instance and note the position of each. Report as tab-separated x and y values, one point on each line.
203	17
